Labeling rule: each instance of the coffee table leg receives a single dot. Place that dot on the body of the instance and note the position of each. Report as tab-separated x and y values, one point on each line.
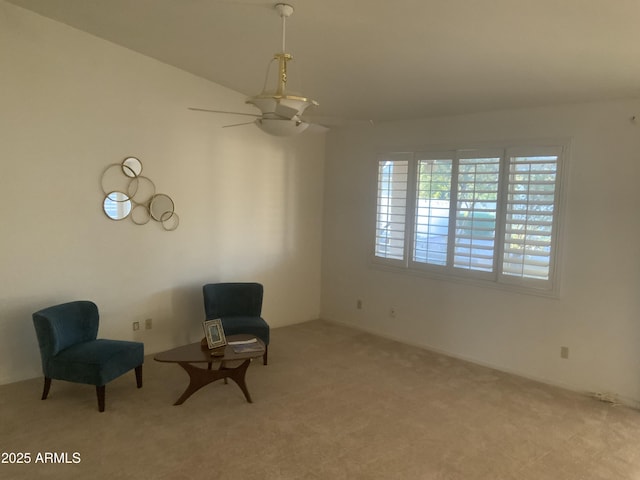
237	375
199	377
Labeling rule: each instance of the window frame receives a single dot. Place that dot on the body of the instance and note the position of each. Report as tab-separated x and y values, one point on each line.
496	278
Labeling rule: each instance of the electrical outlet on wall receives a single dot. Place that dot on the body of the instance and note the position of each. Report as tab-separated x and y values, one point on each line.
148	324
564	352
359	304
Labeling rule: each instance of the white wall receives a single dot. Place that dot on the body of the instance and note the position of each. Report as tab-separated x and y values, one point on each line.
250	205
597	315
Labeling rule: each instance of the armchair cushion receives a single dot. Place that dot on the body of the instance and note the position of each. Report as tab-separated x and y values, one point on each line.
96	362
63	325
232	300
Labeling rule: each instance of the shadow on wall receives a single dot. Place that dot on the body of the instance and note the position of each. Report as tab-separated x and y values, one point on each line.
17	329
187	300
255	191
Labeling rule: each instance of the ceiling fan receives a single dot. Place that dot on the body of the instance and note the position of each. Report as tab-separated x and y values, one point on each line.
281	111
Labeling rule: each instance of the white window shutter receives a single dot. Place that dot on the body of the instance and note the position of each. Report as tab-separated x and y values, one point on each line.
433	200
530	217
393	175
478	180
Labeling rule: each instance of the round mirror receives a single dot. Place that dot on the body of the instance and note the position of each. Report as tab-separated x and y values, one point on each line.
131	166
141	190
140	214
117	205
170	221
161	207
113	180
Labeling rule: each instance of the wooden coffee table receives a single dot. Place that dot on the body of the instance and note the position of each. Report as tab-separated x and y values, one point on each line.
199	377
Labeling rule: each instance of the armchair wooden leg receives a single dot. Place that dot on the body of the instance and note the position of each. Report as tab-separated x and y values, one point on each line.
266	353
139	376
100	390
47	386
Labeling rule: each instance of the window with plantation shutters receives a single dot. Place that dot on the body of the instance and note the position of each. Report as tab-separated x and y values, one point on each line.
431	217
530	211
487	215
476	207
393	171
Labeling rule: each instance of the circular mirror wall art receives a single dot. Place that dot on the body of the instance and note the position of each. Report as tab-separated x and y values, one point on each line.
140	215
131	167
170	221
161	207
114	180
141	190
117	206
129	194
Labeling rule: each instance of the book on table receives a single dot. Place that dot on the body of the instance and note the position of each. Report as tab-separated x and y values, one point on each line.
243	342
246	347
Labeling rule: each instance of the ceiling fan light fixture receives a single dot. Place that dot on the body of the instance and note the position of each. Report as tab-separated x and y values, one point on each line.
281	127
281	110
283	105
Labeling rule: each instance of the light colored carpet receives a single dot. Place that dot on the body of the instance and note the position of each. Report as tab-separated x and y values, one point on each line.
334	403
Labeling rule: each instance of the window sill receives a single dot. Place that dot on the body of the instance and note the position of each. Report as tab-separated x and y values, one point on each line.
381	265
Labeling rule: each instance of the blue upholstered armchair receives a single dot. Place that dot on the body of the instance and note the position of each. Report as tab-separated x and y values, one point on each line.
239	306
70	351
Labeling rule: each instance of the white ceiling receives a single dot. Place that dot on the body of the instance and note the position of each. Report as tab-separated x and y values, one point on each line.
386	60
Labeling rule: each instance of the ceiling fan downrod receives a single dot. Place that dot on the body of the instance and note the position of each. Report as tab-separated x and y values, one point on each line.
285	10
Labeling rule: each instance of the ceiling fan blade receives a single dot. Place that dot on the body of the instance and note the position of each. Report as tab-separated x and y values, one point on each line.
238	124
223	111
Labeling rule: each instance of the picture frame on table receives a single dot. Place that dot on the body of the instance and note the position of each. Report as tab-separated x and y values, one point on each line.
214	333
